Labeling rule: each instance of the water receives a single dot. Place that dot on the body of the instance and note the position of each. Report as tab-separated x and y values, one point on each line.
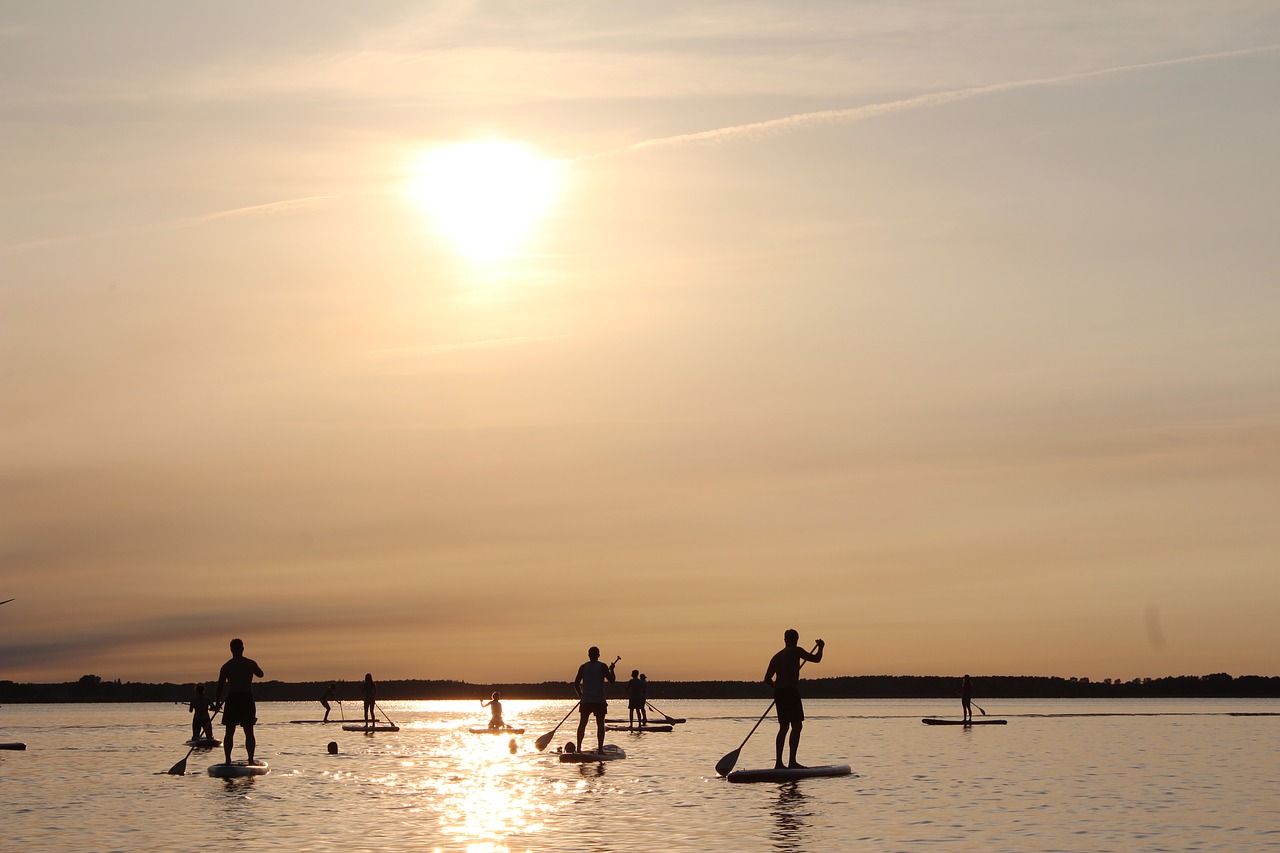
1063	775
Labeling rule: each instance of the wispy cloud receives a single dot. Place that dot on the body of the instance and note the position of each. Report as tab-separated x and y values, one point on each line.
848	115
274	208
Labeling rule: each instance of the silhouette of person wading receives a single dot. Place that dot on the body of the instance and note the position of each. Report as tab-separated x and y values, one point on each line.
784	674
239	710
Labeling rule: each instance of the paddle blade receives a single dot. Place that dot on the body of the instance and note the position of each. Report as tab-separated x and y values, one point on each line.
542	742
724	765
179	769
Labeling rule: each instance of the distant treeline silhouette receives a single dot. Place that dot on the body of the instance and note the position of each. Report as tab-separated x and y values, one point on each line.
91	688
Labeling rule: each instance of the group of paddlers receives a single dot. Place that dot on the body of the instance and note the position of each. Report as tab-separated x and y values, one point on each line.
783	674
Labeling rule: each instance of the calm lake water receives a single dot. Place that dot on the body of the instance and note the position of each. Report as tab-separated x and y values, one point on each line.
1062	775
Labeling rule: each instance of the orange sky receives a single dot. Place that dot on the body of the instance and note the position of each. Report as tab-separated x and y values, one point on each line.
945	335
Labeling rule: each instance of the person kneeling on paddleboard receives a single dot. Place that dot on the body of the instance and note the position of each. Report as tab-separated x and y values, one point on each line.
589	685
495	709
784	675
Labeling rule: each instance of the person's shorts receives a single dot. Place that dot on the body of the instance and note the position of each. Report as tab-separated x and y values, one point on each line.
790	708
635	704
239	710
597	708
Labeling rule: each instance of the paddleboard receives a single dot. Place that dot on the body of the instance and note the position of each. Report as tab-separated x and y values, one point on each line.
638	728
612	752
657	721
13	746
485	730
942	721
203	742
786	774
239	768
358	727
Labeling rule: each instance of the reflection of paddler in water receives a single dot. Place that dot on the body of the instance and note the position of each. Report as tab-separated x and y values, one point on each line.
966	699
239	710
784	674
495	710
199	707
589	685
330	695
370	691
789	813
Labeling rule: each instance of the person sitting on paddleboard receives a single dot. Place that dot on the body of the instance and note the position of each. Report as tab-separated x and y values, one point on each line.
199	706
239	710
370	691
635	700
495	709
330	695
589	685
966	698
784	674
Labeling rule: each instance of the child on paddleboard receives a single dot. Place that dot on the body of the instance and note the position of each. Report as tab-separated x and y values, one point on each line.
201	722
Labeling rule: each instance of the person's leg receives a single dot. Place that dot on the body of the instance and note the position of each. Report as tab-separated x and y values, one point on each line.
795	743
228	740
779	742
249	741
582	729
600	730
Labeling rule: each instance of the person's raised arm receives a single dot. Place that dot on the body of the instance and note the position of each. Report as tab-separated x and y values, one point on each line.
611	675
814	657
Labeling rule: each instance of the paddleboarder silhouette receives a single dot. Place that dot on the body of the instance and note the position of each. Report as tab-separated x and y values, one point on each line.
199	706
370	691
635	700
589	685
239	710
966	699
784	675
330	695
495	710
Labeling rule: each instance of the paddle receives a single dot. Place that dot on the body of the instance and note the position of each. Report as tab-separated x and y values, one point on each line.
384	714
668	717
724	765
542	742
979	707
180	769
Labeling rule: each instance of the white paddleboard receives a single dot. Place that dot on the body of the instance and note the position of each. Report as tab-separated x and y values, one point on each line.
786	774
239	768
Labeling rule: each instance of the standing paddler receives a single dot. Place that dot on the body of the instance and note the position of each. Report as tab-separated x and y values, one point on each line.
589	685
237	676
784	674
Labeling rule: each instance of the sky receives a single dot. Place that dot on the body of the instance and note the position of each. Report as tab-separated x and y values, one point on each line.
445	340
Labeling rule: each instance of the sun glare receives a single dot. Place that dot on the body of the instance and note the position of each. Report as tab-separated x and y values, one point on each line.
485	197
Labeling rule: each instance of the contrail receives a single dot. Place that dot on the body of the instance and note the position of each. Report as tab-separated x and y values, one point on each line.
758	129
268	209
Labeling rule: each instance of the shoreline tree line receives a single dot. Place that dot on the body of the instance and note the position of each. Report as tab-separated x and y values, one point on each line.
92	688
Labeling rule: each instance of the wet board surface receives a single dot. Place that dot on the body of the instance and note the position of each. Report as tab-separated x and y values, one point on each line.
638	728
611	752
358	727
945	721
485	730
786	774
239	768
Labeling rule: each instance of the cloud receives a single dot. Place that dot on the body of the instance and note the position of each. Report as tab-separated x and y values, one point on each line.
753	130
274	208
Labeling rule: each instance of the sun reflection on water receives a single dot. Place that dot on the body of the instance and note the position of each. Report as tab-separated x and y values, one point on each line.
489	797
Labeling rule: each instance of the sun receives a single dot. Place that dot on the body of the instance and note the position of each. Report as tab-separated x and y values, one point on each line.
485	197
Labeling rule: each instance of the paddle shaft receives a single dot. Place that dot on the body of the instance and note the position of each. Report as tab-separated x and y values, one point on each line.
541	743
724	765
